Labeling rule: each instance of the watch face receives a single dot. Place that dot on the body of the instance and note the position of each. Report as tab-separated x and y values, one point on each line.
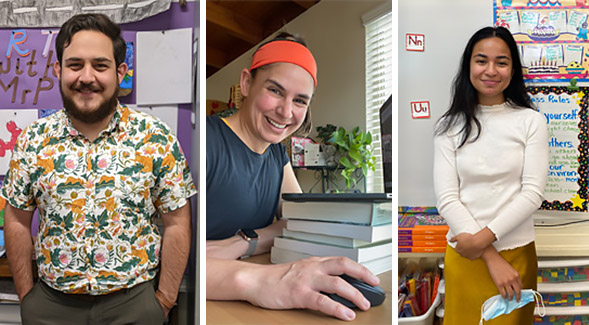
250	233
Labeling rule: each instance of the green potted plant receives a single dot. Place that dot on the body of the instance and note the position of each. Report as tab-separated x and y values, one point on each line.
325	133
355	148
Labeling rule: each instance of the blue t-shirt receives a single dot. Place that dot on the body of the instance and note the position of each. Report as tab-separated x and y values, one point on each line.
243	187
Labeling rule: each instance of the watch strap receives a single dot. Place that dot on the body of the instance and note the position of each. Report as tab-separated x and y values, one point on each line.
252	244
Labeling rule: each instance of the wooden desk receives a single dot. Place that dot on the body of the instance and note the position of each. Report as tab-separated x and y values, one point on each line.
241	312
4	268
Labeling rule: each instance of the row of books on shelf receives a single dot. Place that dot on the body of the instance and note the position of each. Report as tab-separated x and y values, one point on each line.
361	231
421	230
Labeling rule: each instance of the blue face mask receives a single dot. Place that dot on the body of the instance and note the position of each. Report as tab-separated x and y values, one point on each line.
497	305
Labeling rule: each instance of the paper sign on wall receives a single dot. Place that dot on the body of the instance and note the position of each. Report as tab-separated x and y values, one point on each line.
420	109
566	114
415	42
164	65
12	122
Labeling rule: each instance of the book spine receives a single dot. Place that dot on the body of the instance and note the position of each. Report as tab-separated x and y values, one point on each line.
411	249
422	237
423	243
424	230
382	213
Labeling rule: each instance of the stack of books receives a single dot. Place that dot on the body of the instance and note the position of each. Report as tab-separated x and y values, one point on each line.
361	231
421	231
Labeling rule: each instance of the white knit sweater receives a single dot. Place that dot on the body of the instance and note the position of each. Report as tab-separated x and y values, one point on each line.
497	181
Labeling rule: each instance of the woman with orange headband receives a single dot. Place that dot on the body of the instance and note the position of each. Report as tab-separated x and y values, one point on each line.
247	170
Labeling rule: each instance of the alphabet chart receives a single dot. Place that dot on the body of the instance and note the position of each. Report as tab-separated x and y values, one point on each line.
566	115
551	37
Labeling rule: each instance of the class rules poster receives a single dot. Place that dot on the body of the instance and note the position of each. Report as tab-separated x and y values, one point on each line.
565	110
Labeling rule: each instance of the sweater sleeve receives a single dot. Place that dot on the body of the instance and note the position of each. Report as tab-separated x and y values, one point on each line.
447	188
534	175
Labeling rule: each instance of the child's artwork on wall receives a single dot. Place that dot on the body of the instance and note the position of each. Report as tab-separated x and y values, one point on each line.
12	122
551	36
566	114
127	83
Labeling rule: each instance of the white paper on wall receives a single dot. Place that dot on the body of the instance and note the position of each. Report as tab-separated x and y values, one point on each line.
12	123
164	65
531	55
573	53
511	18
554	54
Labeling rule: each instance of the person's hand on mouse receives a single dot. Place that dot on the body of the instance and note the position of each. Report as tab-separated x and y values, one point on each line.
298	285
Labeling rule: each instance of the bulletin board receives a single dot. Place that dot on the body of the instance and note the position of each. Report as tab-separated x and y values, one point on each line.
565	110
551	37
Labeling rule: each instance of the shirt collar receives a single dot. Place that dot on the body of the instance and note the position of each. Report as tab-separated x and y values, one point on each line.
118	122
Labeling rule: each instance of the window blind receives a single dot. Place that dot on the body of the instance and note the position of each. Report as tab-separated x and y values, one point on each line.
379	77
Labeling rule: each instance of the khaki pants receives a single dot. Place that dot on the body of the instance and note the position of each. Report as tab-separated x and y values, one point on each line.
137	305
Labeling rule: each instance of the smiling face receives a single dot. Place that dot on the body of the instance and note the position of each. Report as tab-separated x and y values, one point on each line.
88	77
491	68
276	101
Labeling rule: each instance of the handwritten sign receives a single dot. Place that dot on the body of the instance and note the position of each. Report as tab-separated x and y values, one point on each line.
566	115
27	78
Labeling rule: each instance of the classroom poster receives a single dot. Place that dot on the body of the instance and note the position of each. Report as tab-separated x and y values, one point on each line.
12	122
551	36
565	111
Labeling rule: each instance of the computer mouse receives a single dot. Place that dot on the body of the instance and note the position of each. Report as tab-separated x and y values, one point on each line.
375	295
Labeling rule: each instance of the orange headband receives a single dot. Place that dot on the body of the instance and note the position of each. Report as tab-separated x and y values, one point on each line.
285	51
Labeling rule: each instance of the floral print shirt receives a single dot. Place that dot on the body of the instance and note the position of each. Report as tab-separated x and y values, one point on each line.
97	199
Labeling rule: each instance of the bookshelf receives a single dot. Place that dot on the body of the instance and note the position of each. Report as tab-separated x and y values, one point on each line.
421	255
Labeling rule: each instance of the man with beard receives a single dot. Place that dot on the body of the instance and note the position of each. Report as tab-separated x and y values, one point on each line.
98	173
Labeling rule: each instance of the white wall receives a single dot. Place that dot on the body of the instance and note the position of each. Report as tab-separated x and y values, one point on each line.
427	76
334	33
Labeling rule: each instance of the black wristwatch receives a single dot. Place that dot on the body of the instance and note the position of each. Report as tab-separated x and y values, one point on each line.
250	236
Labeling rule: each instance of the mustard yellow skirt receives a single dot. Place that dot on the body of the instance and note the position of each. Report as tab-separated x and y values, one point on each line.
468	284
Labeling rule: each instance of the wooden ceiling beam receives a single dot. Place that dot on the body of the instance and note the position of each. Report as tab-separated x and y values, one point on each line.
238	25
305	3
216	57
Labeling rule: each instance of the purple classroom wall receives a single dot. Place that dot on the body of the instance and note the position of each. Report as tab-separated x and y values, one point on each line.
174	18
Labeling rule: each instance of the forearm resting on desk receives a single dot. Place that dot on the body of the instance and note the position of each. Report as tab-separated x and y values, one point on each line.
291	285
234	247
19	247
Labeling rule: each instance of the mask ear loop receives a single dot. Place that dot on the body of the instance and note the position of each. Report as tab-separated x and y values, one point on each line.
482	316
538	296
